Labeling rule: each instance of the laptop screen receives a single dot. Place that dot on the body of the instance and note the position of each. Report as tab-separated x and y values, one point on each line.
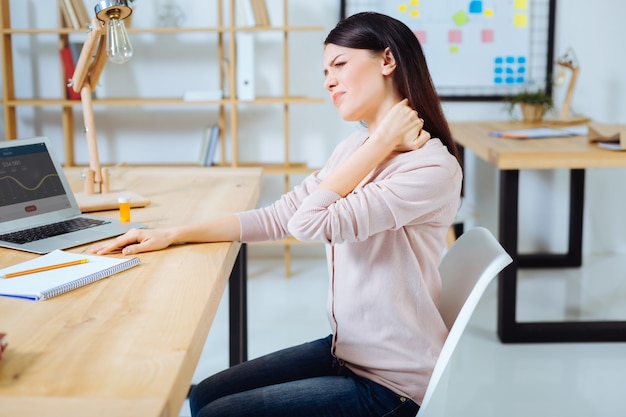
29	183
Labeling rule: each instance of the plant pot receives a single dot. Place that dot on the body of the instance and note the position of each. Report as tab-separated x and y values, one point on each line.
532	112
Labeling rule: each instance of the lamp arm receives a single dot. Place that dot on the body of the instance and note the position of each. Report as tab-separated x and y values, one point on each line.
84	81
94	177
84	67
95	70
565	110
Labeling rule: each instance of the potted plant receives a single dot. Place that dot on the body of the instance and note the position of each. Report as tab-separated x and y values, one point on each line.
534	104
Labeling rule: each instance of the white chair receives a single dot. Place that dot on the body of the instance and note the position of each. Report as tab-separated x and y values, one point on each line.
466	270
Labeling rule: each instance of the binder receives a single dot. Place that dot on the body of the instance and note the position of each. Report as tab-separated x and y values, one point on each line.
68	71
245	66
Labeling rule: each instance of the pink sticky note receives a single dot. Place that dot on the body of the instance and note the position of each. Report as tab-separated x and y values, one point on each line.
455	36
487	35
421	36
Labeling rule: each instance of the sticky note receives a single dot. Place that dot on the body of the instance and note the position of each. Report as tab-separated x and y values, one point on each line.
520	20
460	18
421	36
455	36
476	7
487	35
521	4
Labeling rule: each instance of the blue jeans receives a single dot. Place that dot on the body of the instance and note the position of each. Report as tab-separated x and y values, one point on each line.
301	381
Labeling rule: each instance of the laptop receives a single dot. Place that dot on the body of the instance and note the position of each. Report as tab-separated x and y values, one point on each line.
38	211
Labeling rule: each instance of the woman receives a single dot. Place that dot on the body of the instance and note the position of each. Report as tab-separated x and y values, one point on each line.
382	204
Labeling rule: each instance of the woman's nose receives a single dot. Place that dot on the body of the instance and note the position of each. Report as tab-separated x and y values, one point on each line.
329	82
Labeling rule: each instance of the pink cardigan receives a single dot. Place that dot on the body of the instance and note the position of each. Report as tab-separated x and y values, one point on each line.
384	242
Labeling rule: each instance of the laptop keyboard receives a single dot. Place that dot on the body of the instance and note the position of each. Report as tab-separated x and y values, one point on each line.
50	230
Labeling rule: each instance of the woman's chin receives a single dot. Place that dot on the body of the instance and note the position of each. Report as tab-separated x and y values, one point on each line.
348	117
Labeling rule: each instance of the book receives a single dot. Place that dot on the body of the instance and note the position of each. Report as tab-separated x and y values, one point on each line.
57	281
209	145
65	19
261	16
81	13
68	71
541	132
214	138
204	146
69	14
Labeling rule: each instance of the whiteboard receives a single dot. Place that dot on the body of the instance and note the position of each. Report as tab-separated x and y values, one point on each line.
477	49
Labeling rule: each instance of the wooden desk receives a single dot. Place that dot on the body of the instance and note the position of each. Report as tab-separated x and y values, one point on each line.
127	345
510	156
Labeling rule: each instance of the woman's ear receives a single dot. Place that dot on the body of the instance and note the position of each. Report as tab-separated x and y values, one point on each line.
389	62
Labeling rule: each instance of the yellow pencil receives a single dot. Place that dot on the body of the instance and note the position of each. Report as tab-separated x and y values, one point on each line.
45	268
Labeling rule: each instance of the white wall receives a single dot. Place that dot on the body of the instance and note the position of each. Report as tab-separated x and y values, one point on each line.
168	65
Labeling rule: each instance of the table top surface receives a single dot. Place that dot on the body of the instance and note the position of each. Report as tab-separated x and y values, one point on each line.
572	152
129	344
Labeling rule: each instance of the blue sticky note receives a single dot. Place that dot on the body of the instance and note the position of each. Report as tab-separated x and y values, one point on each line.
476	7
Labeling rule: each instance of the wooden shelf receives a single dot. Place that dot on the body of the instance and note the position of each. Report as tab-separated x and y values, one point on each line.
166	30
135	102
225	28
280	168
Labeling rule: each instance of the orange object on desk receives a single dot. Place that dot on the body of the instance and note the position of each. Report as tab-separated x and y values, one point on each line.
3	343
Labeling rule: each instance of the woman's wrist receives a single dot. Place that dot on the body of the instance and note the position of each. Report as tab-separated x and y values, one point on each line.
381	144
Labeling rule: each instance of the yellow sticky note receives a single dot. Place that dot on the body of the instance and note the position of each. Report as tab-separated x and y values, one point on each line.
520	20
489	12
521	4
402	8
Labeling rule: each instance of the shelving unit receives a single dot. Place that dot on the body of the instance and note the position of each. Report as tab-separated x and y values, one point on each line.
228	107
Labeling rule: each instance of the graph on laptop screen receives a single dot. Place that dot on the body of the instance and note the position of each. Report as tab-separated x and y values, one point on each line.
29	183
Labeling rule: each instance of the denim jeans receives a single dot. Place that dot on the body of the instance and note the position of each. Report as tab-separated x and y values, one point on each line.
301	381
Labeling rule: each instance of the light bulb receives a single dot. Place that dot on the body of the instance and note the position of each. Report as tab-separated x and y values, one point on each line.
119	49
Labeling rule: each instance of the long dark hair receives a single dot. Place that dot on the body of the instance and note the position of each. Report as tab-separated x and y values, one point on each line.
376	32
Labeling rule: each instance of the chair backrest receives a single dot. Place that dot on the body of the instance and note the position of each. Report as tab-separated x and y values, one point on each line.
466	270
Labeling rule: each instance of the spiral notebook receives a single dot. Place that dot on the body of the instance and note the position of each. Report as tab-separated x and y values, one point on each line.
53	282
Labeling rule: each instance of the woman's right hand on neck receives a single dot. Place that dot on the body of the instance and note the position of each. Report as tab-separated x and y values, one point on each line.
401	128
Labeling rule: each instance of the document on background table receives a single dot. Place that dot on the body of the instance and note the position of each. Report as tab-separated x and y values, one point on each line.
542	132
53	282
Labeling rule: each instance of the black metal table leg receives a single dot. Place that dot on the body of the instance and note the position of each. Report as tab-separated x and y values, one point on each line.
238	311
511	331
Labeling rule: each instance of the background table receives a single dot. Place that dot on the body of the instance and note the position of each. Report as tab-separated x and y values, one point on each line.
510	156
127	345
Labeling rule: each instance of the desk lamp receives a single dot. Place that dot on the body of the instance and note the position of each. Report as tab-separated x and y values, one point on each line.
568	61
107	36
